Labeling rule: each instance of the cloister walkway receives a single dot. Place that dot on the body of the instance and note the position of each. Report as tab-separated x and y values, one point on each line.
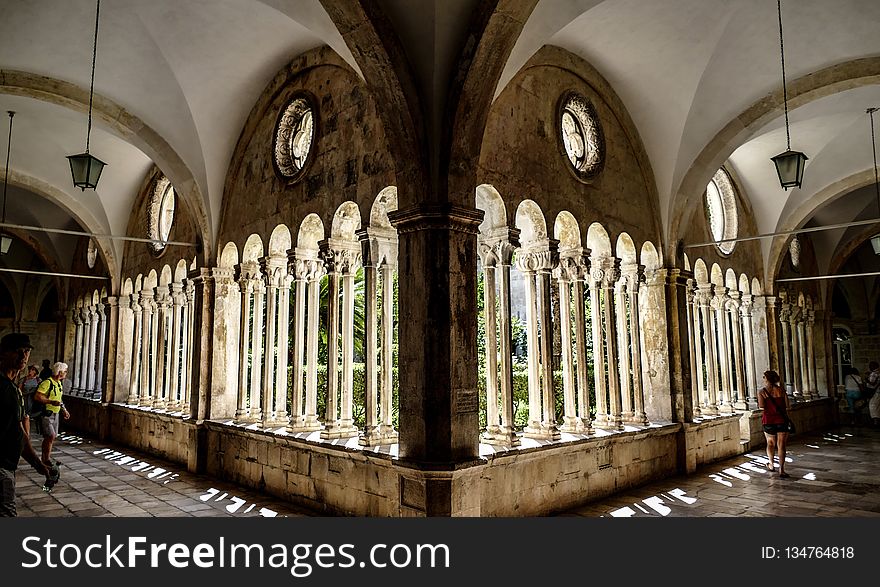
833	474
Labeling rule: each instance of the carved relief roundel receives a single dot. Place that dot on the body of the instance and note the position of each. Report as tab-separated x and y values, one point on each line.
295	137
581	134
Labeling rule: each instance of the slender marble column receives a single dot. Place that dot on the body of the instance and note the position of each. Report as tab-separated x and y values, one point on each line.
102	340
488	261
189	340
784	315
533	429
281	385
346	421
145	398
162	377
623	342
371	351
570	419
256	401
811	356
137	338
735	325
599	365
499	246
549	428
696	376
615	420
387	433
584	424
90	350
177	301
704	295
723	366
302	262
802	357
274	271
310	416
751	385
77	351
640	418
246	285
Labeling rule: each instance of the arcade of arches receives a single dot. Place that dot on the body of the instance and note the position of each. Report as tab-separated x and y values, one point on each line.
490	299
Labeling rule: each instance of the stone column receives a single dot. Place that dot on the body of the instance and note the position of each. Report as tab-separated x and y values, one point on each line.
565	275
439	404
751	385
216	362
597	272
145	397
676	360
91	347
302	262
784	317
536	261
722	362
175	401
733	309
623	343
121	372
281	385
615	420
191	349
639	417
275	407
760	338
256	387
77	351
488	262
137	338
695	347
660	332
162	361
496	248
584	420
341	259
100	386
310	416
378	253
245	283
811	355
773	352
704	297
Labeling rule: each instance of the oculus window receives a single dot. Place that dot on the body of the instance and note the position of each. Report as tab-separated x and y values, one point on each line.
161	216
295	137
721	214
581	137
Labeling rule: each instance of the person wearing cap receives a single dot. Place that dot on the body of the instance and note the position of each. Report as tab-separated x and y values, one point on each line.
15	349
49	394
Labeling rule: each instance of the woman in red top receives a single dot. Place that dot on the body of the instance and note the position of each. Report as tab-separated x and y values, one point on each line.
774	401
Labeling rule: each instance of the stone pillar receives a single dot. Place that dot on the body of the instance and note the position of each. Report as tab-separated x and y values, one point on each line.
77	351
121	371
773	351
722	356
760	338
109	334
784	317
694	346
256	387
439	404
597	272
305	264
137	338
91	347
657	346
341	259
584	423
281	384
802	377
496	249
246	285
145	397
567	274
733	317
162	360
639	417
175	401
275	272
704	298
624	368
310	416
811	355
378	253
100	386
220	335
678	360
193	347
615	420
751	385
536	261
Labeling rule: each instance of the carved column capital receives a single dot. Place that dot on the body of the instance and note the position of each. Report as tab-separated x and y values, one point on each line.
572	265
539	256
340	256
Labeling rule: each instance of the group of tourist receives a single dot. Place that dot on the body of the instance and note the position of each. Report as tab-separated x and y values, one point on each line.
42	396
861	392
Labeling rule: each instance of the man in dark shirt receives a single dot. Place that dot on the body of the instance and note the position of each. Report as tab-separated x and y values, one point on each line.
47	370
15	349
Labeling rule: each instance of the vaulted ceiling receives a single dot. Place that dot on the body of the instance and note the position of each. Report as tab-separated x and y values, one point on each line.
700	78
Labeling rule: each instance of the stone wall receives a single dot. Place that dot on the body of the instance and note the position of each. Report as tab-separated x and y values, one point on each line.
522	156
351	161
42	335
711	440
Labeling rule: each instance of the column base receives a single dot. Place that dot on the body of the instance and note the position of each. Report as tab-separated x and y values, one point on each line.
725	408
339	429
640	419
378	435
576	426
540	431
740	406
710	410
300	424
500	436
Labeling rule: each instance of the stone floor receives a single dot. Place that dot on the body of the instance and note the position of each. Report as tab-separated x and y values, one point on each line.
833	474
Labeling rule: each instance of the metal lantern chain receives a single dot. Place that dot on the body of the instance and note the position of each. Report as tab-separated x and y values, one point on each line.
8	150
784	90
92	83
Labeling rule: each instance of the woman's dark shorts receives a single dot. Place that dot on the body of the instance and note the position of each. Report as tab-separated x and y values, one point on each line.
775	428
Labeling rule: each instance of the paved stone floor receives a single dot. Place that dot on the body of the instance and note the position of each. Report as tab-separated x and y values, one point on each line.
833	474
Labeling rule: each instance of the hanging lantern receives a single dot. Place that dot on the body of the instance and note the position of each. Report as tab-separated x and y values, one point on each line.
790	168
86	170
